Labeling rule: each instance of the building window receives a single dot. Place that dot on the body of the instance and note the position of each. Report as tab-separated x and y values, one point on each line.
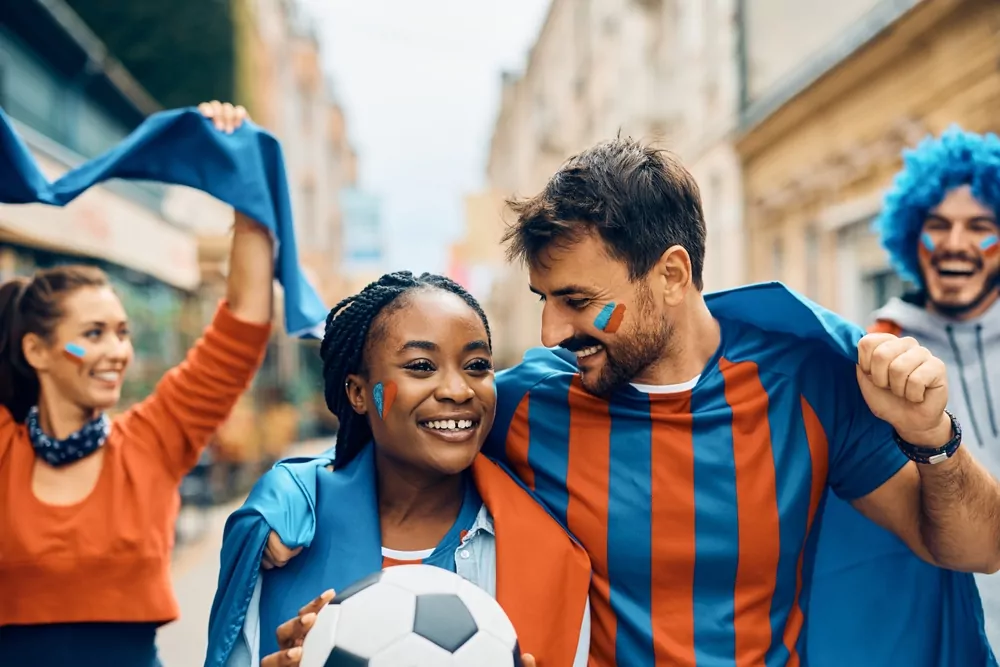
880	286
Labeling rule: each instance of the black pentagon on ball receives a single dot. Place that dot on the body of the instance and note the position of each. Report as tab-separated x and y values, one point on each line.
341	658
357	587
442	618
517	655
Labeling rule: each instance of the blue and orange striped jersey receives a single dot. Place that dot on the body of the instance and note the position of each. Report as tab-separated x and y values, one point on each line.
697	507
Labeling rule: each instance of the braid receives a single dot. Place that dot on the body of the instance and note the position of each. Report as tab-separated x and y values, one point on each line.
348	328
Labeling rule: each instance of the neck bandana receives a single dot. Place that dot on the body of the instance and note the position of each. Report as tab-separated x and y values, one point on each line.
77	446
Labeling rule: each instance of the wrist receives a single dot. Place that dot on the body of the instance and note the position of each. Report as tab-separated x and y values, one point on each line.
932	438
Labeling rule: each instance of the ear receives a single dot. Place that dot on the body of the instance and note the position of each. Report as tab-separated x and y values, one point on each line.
36	352
673	272
357	393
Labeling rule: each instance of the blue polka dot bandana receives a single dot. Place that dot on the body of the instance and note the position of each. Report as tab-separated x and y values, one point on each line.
77	446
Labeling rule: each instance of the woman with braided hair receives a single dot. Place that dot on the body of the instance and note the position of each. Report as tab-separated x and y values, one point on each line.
408	370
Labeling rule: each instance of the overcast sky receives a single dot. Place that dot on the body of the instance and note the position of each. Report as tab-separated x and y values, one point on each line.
420	82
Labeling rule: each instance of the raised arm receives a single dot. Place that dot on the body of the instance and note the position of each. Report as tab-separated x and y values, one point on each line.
194	398
948	511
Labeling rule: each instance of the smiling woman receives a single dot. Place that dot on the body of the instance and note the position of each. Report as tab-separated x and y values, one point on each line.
89	503
408	370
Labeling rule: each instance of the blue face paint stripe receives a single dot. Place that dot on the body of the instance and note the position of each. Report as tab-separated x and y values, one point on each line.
378	393
603	317
75	350
989	242
927	241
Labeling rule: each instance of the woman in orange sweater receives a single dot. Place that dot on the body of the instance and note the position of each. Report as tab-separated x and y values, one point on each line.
88	504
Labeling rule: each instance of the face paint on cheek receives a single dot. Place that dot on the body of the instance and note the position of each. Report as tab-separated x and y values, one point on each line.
990	246
384	395
74	353
926	248
610	317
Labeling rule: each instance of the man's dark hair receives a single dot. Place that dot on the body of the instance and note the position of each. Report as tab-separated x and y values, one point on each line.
638	199
358	322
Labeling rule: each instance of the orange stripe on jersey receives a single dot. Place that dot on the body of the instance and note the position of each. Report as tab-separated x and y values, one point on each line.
819	456
757	512
673	543
885	326
518	435
587	476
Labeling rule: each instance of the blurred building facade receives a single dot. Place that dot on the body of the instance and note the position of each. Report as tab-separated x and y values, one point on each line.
167	247
820	143
663	71
70	101
363	247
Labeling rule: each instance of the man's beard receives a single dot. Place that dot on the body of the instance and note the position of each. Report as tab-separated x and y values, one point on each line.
629	353
957	310
629	358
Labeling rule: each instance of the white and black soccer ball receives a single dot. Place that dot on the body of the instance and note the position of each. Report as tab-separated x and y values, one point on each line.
412	616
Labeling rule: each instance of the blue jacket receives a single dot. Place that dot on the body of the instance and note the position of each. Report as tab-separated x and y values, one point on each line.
542	575
245	537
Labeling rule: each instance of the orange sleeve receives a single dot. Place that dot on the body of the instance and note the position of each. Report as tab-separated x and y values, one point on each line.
885	326
194	398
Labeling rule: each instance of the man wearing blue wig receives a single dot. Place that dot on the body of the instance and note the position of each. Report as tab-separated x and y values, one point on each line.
939	227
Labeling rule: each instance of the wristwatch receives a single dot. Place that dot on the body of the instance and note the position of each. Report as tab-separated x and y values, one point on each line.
926	455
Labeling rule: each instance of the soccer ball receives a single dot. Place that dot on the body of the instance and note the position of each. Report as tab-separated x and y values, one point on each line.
412	616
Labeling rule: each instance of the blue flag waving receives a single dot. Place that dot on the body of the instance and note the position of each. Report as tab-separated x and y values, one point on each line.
245	170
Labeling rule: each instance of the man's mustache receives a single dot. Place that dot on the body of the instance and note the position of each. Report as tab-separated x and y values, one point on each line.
576	344
940	257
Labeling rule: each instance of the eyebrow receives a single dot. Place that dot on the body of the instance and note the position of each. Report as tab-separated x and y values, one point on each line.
434	347
975	218
565	291
99	323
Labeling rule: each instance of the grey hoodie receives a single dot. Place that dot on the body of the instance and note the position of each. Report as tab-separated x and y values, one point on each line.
971	350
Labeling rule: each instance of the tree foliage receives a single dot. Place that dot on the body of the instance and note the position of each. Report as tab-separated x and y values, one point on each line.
181	51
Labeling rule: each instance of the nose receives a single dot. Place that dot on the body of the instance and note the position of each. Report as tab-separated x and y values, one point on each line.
454	387
119	349
957	238
556	327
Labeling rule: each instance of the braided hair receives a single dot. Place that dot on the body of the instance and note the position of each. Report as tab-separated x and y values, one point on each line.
351	326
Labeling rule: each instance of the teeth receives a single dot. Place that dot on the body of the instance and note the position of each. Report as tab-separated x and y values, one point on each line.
107	377
586	352
449	424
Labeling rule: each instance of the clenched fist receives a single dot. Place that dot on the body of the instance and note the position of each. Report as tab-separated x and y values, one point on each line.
905	385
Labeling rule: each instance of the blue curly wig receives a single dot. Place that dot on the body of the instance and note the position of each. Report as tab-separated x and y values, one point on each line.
930	171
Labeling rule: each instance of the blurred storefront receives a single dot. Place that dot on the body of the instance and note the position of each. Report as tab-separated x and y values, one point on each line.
70	101
821	143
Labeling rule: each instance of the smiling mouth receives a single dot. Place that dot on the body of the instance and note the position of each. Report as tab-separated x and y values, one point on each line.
956	268
451	430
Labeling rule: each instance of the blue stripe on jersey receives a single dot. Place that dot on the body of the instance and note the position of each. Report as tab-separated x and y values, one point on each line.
630	529
793	470
716	523
548	442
